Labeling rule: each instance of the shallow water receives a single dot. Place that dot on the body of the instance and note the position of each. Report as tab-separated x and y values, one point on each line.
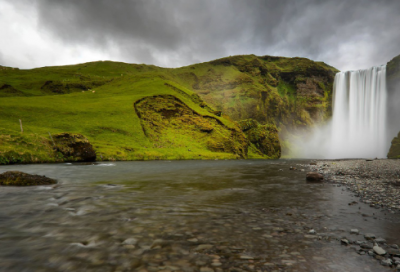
184	216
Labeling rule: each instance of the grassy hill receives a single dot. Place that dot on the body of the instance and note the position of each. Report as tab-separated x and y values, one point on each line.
143	112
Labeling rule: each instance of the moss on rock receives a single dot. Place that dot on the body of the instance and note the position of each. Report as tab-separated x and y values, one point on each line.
74	147
16	178
264	137
170	123
394	151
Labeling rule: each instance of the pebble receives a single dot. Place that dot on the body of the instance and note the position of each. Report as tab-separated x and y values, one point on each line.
386	262
378	250
130	241
380	240
203	247
369	236
354	231
344	242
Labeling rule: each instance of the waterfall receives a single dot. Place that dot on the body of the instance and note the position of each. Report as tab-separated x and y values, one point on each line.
359	128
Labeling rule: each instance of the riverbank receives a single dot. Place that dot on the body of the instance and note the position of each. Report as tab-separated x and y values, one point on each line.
375	182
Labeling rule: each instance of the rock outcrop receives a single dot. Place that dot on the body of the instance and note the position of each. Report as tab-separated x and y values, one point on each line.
169	122
16	178
74	147
394	151
393	87
264	137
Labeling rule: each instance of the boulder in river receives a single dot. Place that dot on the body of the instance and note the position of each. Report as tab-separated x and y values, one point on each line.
16	178
314	177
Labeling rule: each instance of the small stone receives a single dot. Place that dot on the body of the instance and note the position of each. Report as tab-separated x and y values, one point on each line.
380	240
393	252
369	236
396	260
269	264
398	267
245	257
354	231
312	232
193	240
344	242
203	247
378	250
366	246
386	262
130	241
394	246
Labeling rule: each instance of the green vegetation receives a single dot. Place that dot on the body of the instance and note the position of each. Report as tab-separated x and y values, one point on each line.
144	112
394	151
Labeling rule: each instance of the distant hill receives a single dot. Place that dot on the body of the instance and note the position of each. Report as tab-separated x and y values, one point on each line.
227	108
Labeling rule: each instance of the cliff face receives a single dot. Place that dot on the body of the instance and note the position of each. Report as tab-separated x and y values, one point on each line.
393	87
292	93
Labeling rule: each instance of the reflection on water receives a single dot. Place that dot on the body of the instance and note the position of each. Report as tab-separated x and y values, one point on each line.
182	216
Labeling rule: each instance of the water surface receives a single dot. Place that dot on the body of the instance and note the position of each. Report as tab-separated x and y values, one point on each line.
183	216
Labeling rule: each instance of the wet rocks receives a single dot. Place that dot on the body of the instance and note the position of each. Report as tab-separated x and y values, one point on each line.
369	236
378	250
16	178
314	177
354	231
375	182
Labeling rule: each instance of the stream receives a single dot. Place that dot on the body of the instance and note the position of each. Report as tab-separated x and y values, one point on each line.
207	216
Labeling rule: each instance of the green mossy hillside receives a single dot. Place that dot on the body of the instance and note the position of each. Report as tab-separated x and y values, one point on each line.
293	93
394	151
102	101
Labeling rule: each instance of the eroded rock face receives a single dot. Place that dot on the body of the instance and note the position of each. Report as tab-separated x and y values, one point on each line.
16	178
394	151
264	137
170	123
74	147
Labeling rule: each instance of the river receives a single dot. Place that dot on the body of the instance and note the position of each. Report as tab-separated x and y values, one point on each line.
243	215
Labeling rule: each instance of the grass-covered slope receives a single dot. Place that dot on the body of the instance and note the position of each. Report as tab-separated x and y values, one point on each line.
140	112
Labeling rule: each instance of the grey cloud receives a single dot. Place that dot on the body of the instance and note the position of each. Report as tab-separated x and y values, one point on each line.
188	31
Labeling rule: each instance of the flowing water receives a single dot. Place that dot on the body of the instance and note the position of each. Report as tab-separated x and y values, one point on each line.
359	114
245	215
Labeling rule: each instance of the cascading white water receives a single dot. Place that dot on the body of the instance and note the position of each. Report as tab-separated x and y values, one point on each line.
358	128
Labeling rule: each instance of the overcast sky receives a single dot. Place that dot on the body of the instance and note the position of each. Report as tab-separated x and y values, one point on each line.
346	34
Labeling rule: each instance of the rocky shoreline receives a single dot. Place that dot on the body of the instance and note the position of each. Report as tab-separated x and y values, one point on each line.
375	182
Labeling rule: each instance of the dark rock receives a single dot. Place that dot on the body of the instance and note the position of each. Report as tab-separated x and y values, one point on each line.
380	241
74	147
369	236
16	178
314	177
366	246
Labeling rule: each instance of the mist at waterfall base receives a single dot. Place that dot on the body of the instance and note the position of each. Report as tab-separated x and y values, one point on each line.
358	128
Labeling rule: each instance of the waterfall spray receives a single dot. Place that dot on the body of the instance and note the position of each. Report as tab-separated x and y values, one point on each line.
358	128
359	114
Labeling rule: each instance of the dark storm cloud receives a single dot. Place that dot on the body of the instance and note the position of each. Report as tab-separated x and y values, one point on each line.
180	32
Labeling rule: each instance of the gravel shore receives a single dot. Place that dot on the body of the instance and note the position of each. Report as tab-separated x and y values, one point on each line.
375	182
